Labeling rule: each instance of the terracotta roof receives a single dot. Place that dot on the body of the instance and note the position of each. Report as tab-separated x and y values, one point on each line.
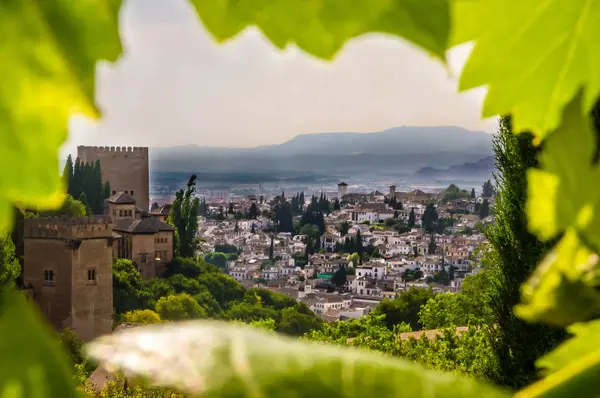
121	198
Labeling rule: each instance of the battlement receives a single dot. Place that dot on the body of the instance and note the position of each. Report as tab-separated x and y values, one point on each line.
113	149
68	228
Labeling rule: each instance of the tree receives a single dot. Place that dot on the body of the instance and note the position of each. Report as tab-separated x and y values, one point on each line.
311	231
184	218
141	317
231	210
68	173
445	310
128	289
336	204
10	268
236	229
411	218
179	307
454	192
217	259
473	193
253	229
354	258
404	308
339	277
432	246
70	208
430	218
484	210
343	228
487	189
514	255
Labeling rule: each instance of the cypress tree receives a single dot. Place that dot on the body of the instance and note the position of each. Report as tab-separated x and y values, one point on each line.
77	186
515	254
68	173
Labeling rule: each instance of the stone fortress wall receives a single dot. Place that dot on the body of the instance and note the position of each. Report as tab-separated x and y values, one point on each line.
126	168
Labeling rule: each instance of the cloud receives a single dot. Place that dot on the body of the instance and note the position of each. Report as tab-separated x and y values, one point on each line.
174	85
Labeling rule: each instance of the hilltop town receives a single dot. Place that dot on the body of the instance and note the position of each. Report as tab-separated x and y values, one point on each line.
339	255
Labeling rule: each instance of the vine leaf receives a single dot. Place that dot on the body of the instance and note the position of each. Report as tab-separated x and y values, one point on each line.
219	359
34	364
321	27
573	368
50	51
534	57
556	200
563	288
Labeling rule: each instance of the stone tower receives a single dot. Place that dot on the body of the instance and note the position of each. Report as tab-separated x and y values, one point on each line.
125	168
342	190
392	191
68	264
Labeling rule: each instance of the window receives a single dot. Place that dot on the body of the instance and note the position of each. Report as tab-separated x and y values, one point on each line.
129	213
114	192
91	275
120	213
48	277
131	193
143	259
127	192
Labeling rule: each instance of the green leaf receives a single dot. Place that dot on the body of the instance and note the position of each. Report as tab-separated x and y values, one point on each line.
556	198
573	368
564	287
321	27
50	49
218	359
33	364
534	56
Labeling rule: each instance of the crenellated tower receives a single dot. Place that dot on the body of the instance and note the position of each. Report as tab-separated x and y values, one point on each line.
68	265
125	168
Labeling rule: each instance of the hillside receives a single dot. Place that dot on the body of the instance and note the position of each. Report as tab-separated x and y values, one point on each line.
401	150
482	168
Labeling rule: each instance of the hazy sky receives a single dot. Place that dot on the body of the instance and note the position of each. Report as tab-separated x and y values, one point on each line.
174	85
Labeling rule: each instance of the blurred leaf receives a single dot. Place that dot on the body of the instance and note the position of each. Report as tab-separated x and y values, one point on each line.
321	27
573	369
50	49
33	364
217	359
563	289
556	198
533	56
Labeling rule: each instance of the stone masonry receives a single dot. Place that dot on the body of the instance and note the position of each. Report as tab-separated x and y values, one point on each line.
68	264
125	168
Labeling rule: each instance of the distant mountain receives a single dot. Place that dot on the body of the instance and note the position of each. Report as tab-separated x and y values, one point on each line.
482	168
398	150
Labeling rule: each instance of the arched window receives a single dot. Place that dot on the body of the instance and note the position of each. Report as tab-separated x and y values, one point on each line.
131	193
127	192
114	192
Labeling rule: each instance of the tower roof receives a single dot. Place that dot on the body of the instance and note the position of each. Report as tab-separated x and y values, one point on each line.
121	198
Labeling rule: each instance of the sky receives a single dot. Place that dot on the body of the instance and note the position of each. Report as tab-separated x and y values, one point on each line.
174	85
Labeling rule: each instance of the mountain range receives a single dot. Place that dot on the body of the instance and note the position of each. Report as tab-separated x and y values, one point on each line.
481	169
396	151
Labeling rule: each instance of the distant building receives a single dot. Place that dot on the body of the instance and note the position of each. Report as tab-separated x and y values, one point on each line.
342	190
141	237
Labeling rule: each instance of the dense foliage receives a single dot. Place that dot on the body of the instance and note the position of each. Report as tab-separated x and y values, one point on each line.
539	61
